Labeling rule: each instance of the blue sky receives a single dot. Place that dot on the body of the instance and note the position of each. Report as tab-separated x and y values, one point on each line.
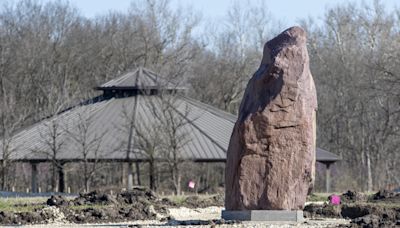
288	11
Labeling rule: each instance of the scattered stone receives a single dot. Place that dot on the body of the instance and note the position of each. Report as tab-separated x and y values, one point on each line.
52	214
271	155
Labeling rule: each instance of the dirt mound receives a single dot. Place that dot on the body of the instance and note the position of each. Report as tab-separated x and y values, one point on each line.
374	221
93	207
94	197
138	204
322	211
58	201
353	196
381	210
386	196
44	215
137	194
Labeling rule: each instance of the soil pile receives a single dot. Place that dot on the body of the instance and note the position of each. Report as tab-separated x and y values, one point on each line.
95	197
93	207
380	210
353	196
385	196
198	202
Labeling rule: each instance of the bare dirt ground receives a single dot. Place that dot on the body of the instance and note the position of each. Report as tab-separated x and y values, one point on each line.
143	208
199	217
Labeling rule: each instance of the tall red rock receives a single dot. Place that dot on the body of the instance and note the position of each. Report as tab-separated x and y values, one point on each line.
271	155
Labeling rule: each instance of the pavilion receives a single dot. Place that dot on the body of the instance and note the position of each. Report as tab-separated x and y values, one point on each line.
129	95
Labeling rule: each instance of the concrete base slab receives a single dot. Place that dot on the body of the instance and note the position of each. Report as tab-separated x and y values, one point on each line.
264	215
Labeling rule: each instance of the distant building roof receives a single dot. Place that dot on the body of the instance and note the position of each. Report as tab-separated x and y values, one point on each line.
209	129
326	156
141	79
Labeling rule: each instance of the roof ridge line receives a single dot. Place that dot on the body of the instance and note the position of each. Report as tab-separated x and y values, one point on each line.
121	77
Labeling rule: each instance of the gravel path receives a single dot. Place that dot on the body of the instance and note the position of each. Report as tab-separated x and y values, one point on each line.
198	216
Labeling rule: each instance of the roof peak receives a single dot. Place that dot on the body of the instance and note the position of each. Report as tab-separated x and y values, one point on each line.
140	79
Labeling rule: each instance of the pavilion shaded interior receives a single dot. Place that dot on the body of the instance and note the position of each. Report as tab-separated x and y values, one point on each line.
134	94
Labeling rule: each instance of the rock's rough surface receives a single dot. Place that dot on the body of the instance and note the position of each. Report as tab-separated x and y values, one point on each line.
271	155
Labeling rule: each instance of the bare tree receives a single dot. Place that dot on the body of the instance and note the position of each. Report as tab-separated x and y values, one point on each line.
128	128
52	137
9	125
175	123
87	141
352	59
147	139
232	56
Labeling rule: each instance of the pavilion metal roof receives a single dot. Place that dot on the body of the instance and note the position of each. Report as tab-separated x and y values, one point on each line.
208	128
326	156
141	79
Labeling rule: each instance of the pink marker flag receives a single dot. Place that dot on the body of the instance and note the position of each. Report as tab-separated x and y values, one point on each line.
191	184
334	199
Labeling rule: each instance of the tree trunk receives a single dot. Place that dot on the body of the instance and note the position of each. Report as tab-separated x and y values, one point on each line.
4	175
86	176
54	178
87	185
176	176
369	172
179	182
152	176
61	178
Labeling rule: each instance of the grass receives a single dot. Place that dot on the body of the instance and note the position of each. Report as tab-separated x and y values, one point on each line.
34	203
20	205
315	197
179	200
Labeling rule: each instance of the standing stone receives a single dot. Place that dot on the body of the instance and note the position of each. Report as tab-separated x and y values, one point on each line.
271	155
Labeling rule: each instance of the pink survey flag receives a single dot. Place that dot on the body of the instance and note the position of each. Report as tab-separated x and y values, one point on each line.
334	199
191	184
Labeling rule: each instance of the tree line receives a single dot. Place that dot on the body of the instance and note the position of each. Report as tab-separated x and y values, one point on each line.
51	56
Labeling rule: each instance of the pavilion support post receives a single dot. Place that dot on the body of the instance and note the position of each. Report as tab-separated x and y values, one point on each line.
328	177
61	177
130	176
34	174
138	181
123	174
